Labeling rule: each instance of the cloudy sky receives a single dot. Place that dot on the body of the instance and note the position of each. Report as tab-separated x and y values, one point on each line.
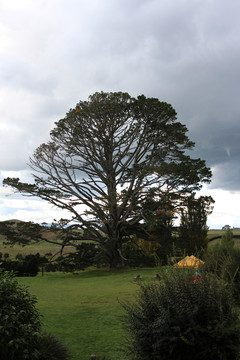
54	53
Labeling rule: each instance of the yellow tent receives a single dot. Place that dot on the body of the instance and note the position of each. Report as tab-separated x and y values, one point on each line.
189	261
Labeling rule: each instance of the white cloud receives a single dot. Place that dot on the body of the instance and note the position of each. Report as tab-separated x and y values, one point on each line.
29	210
226	208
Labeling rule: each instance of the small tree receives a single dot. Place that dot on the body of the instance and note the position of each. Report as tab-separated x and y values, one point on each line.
227	239
193	223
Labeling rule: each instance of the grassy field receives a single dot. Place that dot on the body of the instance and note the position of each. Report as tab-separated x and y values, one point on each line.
83	310
42	248
213	233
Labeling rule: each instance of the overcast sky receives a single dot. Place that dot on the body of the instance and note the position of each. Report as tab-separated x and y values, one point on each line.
54	53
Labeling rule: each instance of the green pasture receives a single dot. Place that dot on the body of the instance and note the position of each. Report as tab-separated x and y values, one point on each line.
83	310
213	233
42	248
218	233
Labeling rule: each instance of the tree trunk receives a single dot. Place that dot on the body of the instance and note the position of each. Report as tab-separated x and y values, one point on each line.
116	260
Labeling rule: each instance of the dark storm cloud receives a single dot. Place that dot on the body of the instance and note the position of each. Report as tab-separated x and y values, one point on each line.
184	52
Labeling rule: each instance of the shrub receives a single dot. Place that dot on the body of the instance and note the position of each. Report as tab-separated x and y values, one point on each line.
177	318
19	321
20	330
51	267
23	266
227	239
50	348
140	252
224	261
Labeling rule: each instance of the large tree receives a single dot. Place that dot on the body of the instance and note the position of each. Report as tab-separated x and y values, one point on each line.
110	154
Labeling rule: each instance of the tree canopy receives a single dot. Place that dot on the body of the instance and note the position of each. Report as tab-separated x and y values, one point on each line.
106	159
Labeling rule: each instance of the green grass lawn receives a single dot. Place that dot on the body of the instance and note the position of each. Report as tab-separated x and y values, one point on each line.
83	310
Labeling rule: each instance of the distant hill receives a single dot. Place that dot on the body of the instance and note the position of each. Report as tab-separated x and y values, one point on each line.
12	220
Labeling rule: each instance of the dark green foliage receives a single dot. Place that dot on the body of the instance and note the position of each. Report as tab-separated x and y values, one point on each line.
51	267
224	260
158	224
193	226
234	269
24	265
50	348
19	321
30	265
136	256
227	239
178	319
20	329
86	255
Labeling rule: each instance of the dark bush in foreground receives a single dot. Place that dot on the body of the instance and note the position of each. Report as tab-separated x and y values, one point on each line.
50	348
20	329
19	321
180	319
